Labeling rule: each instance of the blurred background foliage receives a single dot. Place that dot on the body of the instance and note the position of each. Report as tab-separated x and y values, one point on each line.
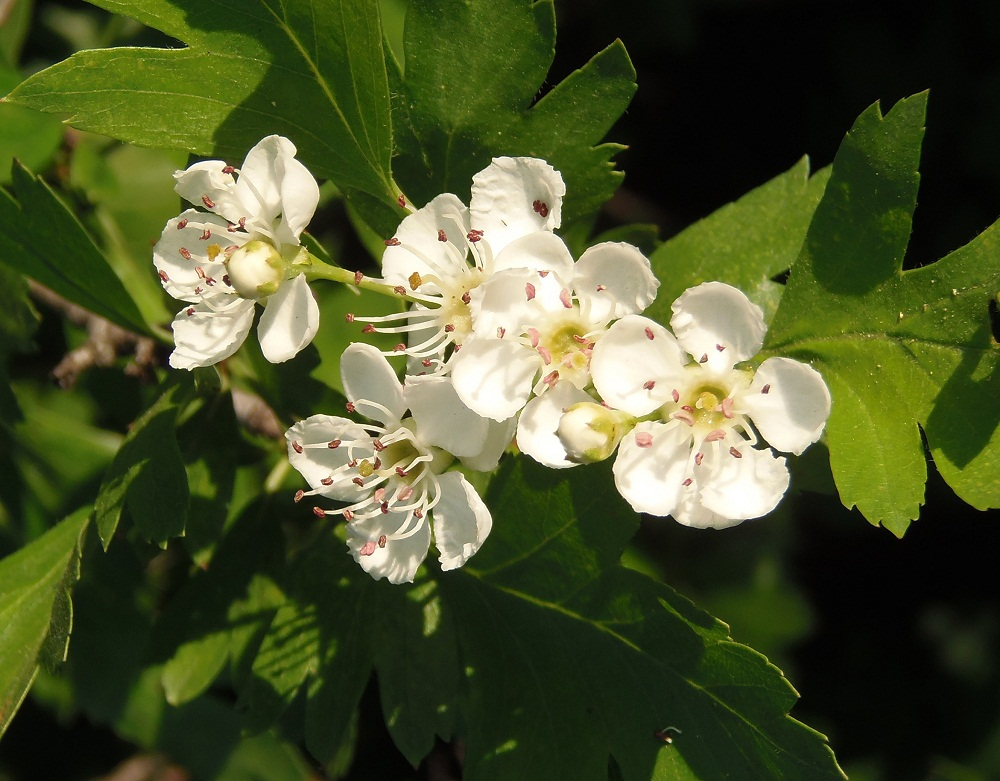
894	645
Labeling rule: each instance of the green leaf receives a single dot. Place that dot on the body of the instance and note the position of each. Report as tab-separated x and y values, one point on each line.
899	349
543	654
314	73
463	103
147	474
27	135
745	244
36	614
42	239
14	26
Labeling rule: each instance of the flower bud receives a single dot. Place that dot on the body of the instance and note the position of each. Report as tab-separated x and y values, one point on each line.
256	270
590	432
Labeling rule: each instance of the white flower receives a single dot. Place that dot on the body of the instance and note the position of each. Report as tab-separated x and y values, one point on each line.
241	252
391	473
536	329
693	454
445	250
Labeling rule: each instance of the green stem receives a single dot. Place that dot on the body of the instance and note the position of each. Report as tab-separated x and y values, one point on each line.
317	269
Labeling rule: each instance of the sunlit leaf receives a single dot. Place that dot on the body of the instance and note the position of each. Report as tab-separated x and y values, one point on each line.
900	350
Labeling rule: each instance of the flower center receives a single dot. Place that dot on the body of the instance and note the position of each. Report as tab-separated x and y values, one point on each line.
256	270
567	349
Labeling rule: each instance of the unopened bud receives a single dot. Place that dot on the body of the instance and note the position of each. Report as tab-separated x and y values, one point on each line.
256	270
590	432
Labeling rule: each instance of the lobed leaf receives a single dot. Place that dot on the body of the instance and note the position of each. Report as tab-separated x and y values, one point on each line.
36	614
899	349
463	103
315	74
543	655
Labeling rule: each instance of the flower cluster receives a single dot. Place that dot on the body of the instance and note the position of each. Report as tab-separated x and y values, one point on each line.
508	339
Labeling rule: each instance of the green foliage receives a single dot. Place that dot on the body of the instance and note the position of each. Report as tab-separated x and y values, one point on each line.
899	349
495	653
458	105
745	244
36	614
42	239
147	475
30	137
317	78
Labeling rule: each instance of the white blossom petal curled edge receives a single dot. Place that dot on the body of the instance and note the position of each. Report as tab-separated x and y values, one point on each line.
699	452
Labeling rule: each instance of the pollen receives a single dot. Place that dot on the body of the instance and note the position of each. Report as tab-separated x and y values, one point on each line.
213	250
365	468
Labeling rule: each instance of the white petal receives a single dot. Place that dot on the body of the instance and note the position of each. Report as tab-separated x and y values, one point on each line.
539	252
258	186
512	300
400	559
741	488
498	437
420	247
691	512
206	180
494	376
442	420
651	477
625	359
612	280
462	522
289	322
793	412
536	429
206	336
367	376
516	196
316	464
299	194
714	315
183	249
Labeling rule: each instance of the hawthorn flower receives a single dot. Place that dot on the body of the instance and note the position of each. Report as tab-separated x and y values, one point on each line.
535	329
390	472
692	452
442	252
244	250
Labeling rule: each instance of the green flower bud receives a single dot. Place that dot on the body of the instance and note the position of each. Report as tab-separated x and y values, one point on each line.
590	432
256	270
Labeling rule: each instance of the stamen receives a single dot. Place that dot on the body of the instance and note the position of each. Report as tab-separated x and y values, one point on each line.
442	236
349	317
297	447
551	379
414	280
649	384
766	389
401	201
644	439
182	225
228	169
358	482
675	395
683	415
567	298
727	407
319	512
393	242
399	290
368	329
735	453
298	496
720	347
327	481
534	336
703	359
349	406
466	297
541	208
367	549
208	202
399	348
545	353
529	291
715	436
501	331
649	335
687	482
358	277
381	541
475	235
206	235
698	458
185	253
602	288
164	277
